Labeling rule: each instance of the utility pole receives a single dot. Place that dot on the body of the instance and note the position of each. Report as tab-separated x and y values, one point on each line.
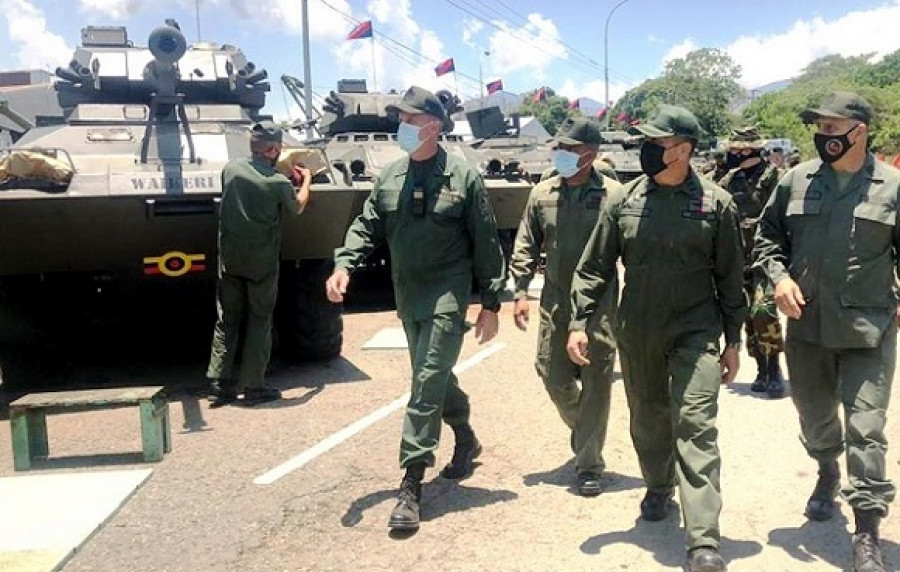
307	71
606	63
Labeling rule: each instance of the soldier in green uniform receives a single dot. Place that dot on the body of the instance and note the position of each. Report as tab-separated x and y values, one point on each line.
254	198
829	240
719	167
751	180
679	240
433	211
560	216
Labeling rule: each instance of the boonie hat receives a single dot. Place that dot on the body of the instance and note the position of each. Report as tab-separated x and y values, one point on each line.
746	138
419	100
670	121
840	105
266	131
577	131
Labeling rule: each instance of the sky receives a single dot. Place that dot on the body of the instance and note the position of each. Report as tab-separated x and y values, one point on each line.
526	43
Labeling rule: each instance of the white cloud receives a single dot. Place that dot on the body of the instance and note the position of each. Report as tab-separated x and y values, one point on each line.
678	51
595	89
765	59
531	48
35	45
325	23
471	27
396	67
654	39
115	9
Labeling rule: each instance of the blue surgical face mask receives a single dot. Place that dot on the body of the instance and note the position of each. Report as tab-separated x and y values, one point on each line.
565	162
408	137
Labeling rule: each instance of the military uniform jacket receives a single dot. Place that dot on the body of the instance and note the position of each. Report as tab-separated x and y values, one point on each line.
254	197
681	249
841	247
433	256
560	219
750	189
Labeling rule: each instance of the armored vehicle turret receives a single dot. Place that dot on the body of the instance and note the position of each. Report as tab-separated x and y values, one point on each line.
123	191
360	139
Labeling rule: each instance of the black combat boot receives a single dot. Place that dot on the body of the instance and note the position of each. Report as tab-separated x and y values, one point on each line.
866	550
405	516
655	505
820	505
465	451
761	383
775	390
221	393
705	559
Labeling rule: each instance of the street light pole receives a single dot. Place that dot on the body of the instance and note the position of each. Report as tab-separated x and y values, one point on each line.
606	63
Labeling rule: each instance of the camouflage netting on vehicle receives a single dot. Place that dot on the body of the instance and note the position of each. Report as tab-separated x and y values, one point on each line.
19	166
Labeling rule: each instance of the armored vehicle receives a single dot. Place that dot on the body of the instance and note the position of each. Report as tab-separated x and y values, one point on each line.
503	139
122	194
623	150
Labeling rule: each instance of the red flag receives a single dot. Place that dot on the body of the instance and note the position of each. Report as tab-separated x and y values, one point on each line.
445	66
539	95
601	113
494	86
363	30
575	104
635	122
622	117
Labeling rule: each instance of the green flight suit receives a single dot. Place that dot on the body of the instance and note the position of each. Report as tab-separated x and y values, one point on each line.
681	249
254	199
751	189
434	255
559	219
841	247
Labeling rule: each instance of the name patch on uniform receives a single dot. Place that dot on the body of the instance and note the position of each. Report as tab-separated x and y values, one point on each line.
700	208
634	211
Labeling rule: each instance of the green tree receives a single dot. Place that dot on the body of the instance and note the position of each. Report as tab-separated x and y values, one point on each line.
705	81
551	111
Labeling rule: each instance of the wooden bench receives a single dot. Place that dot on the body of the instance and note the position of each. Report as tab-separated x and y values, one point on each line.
28	419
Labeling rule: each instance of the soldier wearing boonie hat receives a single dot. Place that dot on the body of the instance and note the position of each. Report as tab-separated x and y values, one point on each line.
560	214
751	181
254	198
432	209
678	238
828	240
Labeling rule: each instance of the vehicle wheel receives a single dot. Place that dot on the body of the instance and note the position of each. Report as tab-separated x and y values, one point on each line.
308	326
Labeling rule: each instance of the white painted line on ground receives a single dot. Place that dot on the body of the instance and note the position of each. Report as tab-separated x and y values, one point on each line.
358	426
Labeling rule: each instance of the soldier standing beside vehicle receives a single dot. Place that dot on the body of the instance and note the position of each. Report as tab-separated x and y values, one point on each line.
433	211
679	240
750	181
254	199
560	215
829	240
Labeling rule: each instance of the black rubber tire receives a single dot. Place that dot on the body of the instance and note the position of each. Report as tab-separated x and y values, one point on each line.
308	326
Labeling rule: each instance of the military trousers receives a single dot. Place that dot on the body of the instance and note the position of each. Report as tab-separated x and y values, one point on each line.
673	399
584	409
434	346
822	380
242	338
763	328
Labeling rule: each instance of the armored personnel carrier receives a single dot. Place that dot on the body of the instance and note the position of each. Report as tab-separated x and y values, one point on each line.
623	150
122	194
501	139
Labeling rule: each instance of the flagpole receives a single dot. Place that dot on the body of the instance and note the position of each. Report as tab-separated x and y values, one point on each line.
455	83
374	78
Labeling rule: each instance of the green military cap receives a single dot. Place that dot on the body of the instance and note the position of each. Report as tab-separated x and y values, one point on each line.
577	131
670	121
840	105
419	100
266	131
746	137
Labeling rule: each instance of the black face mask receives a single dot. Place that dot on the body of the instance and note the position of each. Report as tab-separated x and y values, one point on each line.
832	147
652	159
733	160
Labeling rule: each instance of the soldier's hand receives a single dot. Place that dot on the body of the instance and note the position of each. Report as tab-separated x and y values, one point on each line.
789	298
486	326
299	175
577	348
730	362
520	313
897	316
336	286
